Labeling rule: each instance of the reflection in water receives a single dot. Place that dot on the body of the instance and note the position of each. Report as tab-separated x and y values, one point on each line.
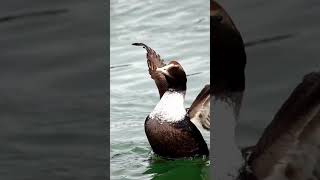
193	169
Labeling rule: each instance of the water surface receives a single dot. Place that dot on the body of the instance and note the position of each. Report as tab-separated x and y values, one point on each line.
52	115
176	30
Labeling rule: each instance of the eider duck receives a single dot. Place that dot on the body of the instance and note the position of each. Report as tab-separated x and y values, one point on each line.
170	128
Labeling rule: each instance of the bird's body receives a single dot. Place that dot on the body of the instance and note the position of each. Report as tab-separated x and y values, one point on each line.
170	127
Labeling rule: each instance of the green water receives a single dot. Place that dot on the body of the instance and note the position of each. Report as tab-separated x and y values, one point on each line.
176	30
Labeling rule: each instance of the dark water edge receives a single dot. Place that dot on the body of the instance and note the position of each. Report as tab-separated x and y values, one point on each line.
53	90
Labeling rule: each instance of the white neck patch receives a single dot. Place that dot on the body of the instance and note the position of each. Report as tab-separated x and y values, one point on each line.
226	152
170	108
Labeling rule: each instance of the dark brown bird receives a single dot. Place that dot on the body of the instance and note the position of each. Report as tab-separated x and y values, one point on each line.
172	130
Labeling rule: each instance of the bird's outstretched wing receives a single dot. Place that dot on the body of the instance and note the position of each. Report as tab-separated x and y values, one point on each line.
154	61
199	111
290	144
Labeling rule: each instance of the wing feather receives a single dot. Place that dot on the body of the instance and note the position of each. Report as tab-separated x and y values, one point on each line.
294	125
199	111
154	61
